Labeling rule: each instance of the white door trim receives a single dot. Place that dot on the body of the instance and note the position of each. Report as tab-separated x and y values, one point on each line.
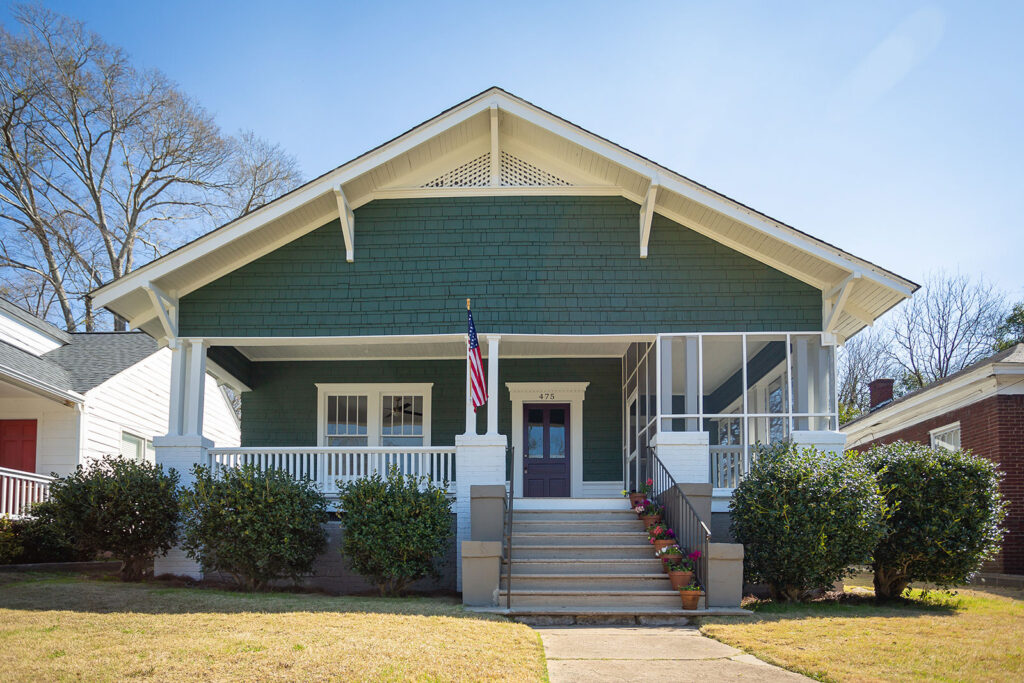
572	393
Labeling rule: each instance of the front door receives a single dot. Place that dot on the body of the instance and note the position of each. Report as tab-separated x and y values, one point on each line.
546	450
18	445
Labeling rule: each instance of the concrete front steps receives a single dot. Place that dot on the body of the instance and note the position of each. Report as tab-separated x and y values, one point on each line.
587	561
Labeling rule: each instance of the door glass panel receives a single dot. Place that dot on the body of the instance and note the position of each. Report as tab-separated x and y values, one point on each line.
535	433
556	434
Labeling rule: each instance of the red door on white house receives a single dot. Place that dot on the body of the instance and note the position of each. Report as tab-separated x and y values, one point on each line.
18	445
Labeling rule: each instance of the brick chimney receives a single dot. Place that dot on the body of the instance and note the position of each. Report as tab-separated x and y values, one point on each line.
881	392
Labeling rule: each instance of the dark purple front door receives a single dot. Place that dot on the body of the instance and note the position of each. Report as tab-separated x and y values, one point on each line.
546	450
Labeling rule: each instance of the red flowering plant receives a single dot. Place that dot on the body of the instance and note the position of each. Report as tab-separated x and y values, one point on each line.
684	564
646	487
660	532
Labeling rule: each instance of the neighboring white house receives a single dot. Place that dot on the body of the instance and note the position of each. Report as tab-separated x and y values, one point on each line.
68	398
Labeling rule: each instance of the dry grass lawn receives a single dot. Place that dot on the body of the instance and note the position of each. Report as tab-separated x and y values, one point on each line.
972	635
58	628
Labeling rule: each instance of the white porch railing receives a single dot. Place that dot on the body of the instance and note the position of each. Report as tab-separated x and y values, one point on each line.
729	464
20	490
326	466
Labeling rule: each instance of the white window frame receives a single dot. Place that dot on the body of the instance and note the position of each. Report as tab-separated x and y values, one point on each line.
147	454
374	394
944	429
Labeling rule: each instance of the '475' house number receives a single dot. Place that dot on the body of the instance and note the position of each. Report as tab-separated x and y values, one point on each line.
546	396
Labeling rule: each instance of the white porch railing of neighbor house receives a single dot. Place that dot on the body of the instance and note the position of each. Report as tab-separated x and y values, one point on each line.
327	466
729	464
20	490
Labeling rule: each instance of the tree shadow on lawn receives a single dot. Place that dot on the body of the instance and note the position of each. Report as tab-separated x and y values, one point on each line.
859	605
107	595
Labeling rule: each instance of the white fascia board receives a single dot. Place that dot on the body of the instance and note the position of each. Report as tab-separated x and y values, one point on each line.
926	405
36	386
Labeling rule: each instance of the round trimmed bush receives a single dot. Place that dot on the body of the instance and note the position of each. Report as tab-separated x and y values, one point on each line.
42	539
804	517
946	520
256	525
395	528
119	506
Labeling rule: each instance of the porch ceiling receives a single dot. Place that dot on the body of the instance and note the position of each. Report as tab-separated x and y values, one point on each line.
442	346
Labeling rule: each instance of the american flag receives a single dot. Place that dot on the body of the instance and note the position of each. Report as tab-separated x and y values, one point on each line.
478	386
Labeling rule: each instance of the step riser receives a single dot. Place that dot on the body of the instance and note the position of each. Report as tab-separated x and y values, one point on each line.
520	568
633	583
591	538
592	602
562	552
570	515
605	526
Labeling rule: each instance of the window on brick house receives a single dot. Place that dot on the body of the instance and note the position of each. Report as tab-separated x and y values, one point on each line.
947	437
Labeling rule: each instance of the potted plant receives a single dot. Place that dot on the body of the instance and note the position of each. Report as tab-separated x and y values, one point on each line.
690	593
680	569
635	497
661	536
650	513
670	554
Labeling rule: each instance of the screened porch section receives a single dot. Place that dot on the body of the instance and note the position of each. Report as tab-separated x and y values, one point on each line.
743	389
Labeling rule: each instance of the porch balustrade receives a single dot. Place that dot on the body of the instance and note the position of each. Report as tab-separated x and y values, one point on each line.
20	490
729	464
328	466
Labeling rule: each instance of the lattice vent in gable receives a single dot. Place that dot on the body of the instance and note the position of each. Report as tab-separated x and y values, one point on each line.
517	173
475	173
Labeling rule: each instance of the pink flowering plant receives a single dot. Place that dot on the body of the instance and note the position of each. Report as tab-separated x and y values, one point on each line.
660	532
684	564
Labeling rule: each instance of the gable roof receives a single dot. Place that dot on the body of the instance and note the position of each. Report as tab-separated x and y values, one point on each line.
497	143
33	321
937	398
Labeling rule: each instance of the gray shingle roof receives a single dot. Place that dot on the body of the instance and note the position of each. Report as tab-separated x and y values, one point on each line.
34	321
92	358
40	369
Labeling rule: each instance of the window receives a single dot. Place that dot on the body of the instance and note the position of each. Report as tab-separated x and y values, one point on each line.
137	448
947	437
354	415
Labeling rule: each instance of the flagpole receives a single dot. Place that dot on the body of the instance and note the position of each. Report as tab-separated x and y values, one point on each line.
470	413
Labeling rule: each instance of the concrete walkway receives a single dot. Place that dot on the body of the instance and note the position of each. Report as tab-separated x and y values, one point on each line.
646	653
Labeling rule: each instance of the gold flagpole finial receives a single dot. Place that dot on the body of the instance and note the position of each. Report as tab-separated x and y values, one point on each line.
467	304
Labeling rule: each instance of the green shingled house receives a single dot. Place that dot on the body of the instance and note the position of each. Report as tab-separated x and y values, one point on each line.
619	305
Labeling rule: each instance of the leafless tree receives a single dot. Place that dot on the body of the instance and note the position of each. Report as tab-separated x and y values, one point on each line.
864	358
952	322
258	172
103	165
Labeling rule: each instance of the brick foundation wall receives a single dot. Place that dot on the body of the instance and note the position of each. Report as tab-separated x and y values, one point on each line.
993	428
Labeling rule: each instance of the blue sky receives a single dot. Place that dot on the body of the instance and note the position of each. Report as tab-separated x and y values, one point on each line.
891	129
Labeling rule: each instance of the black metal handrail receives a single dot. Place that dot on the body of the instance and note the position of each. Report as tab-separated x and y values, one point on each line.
509	511
691	531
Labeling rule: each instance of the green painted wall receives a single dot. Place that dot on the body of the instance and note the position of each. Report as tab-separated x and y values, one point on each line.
566	265
281	409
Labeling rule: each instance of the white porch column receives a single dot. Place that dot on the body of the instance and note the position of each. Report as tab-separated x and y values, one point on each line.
196	387
492	383
183	446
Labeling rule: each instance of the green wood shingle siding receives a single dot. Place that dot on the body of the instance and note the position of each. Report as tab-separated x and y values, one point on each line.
281	409
556	265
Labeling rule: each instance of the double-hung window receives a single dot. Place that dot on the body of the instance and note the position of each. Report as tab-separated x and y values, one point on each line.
354	415
137	448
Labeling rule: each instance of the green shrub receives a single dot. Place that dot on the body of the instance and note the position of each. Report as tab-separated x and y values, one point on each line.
804	517
116	505
10	547
43	540
257	526
947	515
395	528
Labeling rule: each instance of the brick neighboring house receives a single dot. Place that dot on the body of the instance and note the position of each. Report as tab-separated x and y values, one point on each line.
980	408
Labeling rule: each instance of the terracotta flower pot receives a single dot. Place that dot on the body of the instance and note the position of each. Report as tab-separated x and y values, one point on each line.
635	498
650	520
680	579
691	599
662	543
